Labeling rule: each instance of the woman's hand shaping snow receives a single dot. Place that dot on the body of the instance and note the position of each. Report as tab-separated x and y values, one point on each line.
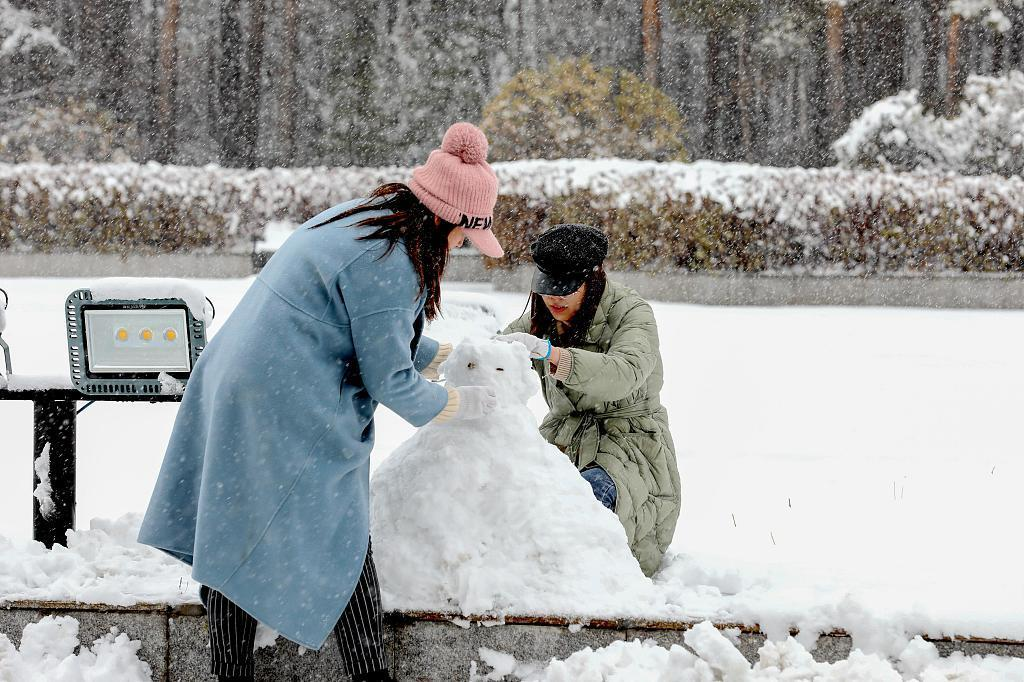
540	349
475	402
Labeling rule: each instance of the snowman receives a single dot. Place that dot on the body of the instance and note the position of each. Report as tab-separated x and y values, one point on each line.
486	518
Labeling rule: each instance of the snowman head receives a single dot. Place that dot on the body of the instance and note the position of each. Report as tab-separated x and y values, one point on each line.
505	367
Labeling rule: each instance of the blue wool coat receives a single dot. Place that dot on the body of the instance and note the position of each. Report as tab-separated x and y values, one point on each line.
264	488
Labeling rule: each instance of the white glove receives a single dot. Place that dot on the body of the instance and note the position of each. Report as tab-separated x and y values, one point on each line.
540	349
475	402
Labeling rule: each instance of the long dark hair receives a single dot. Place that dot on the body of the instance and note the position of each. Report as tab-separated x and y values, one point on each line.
425	235
543	324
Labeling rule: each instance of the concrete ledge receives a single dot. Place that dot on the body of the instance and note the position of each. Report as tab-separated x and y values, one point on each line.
422	646
192	265
995	291
743	289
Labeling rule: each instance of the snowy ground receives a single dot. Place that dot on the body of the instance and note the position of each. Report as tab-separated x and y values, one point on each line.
851	468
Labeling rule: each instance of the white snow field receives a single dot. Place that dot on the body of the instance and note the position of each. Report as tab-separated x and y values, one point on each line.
855	468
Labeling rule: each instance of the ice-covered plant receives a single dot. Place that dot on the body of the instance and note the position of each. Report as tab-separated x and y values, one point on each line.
986	136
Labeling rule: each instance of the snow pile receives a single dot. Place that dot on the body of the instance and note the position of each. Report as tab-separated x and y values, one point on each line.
43	490
47	654
987	136
714	658
486	517
102	565
132	288
466	315
37	382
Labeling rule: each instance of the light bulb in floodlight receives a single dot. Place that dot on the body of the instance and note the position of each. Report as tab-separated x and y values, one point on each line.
122	334
170	335
146	335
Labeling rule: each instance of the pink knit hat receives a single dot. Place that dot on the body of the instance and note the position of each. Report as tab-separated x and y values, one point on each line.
457	185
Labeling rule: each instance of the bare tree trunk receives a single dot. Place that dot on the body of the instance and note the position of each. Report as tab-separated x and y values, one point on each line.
892	33
249	105
168	81
104	32
998	41
229	85
744	94
287	87
835	89
650	28
1015	41
717	89
931	95
954	83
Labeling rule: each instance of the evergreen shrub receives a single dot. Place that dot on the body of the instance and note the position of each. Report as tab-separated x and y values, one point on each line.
575	110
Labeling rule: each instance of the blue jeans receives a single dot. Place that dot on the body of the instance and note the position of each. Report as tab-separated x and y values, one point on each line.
603	485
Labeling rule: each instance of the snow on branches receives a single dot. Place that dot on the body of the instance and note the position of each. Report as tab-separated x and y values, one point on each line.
987	136
22	31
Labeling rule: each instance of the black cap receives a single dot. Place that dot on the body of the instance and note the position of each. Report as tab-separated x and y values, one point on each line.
565	255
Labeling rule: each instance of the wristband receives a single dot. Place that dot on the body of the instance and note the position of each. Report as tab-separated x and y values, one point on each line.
545	357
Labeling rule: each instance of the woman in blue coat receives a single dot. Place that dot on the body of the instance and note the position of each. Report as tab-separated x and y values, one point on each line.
264	487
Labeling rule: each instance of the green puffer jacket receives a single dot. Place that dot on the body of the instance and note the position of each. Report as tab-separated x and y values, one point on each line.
609	412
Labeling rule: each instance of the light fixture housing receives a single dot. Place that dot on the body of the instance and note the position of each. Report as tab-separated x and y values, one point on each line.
131	346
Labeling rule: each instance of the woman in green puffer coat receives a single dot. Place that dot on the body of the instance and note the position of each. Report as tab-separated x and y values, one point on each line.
595	346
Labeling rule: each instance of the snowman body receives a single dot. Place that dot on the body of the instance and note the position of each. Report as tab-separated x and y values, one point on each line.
486	517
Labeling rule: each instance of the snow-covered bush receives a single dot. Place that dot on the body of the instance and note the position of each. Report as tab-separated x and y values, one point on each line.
697	216
573	109
74	130
986	137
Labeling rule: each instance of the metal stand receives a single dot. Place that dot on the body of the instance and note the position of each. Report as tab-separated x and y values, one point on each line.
54	420
54	425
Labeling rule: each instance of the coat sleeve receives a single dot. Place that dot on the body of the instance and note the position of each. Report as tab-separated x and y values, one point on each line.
629	362
380	296
426	351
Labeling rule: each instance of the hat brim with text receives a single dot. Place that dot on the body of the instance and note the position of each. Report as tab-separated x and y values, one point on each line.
484	241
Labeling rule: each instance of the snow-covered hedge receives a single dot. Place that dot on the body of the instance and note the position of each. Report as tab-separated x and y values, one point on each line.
699	216
986	137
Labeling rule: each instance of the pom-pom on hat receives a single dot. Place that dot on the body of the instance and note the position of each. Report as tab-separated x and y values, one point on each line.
458	185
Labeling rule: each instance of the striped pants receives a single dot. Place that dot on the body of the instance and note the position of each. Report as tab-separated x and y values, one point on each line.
359	631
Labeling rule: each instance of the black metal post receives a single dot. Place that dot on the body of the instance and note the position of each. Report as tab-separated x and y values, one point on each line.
54	426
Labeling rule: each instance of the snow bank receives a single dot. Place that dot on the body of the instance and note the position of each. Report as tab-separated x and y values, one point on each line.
714	658
113	288
102	565
48	654
486	517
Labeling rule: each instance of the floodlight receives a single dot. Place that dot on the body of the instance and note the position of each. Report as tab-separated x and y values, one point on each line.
131	346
